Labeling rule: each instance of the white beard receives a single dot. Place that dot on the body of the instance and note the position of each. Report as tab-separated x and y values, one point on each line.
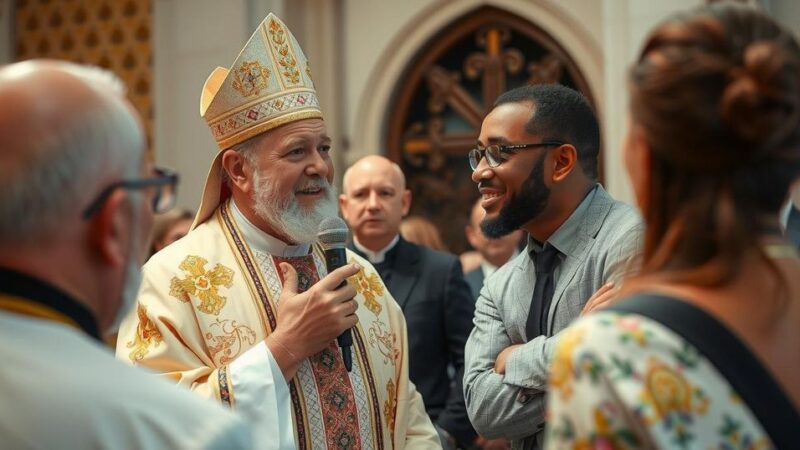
286	215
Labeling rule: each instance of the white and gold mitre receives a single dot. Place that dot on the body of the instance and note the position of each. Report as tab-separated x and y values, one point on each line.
268	85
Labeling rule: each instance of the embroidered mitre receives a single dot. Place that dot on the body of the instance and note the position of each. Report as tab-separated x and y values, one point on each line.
268	85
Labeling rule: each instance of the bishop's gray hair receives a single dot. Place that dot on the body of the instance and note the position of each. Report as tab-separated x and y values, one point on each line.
247	149
60	175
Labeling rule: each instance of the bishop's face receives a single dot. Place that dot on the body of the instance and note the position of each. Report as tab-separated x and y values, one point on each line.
291	181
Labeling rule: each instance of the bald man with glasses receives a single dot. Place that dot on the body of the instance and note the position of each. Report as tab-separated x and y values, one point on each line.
77	198
536	169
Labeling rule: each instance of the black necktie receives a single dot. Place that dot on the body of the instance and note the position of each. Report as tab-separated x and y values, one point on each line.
545	263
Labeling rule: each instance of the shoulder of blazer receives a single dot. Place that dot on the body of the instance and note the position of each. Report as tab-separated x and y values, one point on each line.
408	252
429	260
606	213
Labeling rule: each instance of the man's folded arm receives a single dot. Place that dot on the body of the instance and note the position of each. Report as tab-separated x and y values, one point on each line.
496	408
527	366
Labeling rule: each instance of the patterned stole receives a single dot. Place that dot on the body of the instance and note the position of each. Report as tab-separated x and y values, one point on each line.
335	390
332	408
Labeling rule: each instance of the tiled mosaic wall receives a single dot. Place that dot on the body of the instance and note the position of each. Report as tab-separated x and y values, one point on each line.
114	34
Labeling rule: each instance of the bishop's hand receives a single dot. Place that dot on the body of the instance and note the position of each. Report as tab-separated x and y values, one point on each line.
307	322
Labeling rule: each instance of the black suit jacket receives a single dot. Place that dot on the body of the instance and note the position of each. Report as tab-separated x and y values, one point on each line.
438	306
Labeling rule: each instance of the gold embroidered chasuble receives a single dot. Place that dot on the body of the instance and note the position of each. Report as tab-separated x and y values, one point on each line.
209	298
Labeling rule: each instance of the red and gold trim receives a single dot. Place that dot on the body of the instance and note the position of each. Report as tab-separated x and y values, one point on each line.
225	387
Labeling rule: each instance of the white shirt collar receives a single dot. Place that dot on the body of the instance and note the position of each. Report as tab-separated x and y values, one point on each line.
380	255
489	268
263	242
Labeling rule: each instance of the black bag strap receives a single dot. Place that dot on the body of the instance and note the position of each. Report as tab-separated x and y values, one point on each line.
731	357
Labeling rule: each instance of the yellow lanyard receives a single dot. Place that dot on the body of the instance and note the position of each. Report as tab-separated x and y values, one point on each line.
25	307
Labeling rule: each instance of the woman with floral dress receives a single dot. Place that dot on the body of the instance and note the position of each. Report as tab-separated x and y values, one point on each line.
702	351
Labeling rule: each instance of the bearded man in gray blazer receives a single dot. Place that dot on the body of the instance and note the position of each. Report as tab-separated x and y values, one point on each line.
536	169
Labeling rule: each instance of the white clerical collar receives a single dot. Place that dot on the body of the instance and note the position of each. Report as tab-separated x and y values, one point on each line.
380	255
261	241
489	268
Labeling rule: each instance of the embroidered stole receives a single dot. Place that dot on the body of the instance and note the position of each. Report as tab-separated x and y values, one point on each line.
328	410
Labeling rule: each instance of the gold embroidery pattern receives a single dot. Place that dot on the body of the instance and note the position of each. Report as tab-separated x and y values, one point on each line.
385	340
667	392
202	284
262	112
390	407
231	342
250	78
370	287
146	334
308	72
286	60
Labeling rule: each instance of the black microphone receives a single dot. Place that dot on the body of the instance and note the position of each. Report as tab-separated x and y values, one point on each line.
332	235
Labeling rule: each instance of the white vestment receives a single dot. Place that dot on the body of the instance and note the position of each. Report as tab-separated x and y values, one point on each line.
206	305
62	389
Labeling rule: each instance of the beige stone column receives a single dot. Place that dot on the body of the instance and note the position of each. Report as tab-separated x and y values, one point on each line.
190	39
626	24
6	31
317	25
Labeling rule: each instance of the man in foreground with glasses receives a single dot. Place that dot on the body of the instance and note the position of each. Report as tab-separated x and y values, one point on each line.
536	169
243	310
76	206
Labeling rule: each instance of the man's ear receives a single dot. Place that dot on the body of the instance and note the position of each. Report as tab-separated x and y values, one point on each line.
110	228
238	170
406	202
470	233
343	205
565	158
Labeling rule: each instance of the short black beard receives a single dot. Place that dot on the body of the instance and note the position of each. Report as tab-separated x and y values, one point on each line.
521	208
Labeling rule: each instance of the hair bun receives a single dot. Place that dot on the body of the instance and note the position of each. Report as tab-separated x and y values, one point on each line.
760	101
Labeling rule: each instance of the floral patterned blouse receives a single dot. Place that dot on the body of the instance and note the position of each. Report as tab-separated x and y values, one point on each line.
623	381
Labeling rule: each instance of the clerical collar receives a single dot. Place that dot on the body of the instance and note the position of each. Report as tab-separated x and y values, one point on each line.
380	255
261	241
29	296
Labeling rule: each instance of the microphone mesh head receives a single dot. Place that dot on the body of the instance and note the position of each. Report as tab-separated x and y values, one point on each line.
332	233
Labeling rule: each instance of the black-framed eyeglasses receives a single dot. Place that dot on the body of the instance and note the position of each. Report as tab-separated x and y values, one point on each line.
494	153
165	183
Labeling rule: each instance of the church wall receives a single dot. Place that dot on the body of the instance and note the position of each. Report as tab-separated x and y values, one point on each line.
191	38
5	32
785	11
358	49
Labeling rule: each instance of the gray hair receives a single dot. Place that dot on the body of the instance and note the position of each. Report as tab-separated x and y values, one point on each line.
59	177
247	149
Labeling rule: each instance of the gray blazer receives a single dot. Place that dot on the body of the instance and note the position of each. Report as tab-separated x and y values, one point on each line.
603	247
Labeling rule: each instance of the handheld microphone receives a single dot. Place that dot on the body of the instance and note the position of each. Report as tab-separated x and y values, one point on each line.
332	235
